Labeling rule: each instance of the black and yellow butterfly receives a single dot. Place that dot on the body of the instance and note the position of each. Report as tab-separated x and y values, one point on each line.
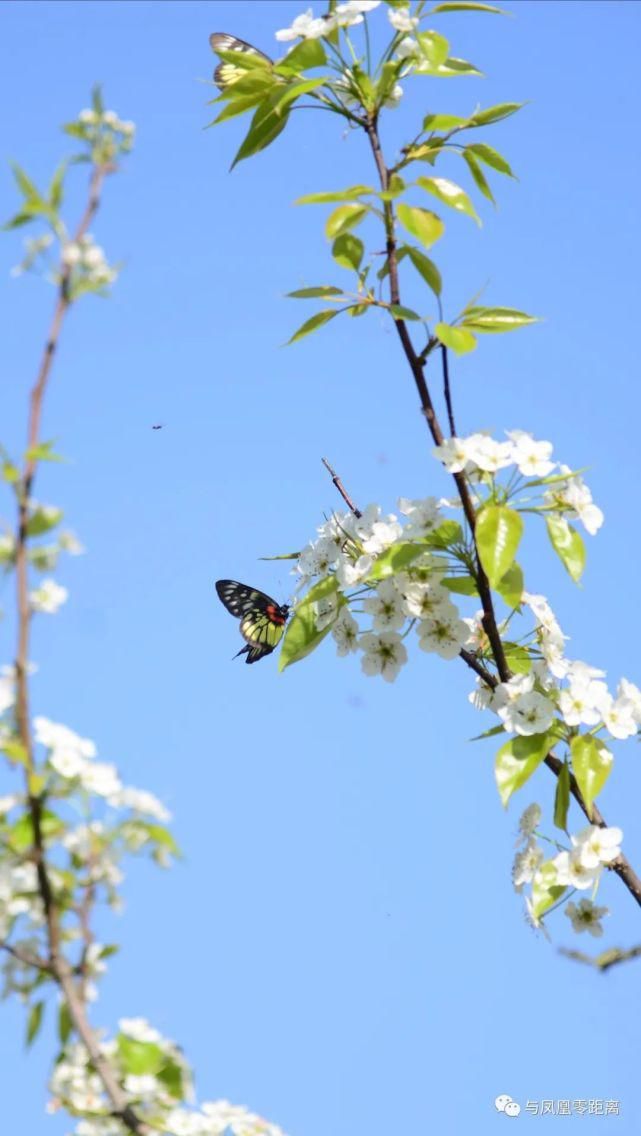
225	73
262	620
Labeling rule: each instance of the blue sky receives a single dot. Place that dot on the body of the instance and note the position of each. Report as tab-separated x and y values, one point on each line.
341	948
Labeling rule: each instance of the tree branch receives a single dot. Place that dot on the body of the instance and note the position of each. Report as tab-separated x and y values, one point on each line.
57	965
341	489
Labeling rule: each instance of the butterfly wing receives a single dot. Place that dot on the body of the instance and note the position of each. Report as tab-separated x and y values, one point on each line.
262	620
226	73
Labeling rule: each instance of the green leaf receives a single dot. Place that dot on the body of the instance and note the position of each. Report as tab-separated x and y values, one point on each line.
517	760
426	268
302	636
34	1021
494	113
459	339
498	534
310	53
43	452
43	519
394	189
322	291
450	194
518	658
395	559
56	187
282	556
29	191
348	251
592	765
171	1076
478	176
266	124
15	751
21	833
401	313
545	892
445	536
434	47
510	586
245	60
493	320
491	157
562	798
138	1058
343	219
237	106
65	1024
468	6
257	82
568	545
335	195
356	310
443	122
421	223
493	732
462	585
451	68
312	324
19	219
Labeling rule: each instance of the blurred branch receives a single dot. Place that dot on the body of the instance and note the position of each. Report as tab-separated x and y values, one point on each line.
606	959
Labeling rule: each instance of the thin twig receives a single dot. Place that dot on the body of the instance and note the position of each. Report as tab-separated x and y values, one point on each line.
446	390
27	958
57	964
341	489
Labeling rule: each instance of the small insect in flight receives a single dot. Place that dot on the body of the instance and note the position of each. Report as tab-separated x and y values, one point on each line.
159	426
262	620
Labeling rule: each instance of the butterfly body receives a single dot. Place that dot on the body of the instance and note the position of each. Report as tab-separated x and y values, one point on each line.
262	620
226	73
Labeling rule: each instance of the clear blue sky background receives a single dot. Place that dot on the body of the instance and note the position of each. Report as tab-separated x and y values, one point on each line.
341	948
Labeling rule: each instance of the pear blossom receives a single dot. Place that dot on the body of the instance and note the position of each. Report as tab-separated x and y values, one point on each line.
401	20
350	573
140	801
55	736
619	717
101	778
139	1029
581	703
575	497
526	864
423	516
488	454
345	633
631	693
443	634
531	457
427	601
572	872
386	606
452	452
67	763
48	598
306	26
87	116
407	49
530	820
7	692
530	713
385	654
595	845
345	15
393	97
482	697
586	916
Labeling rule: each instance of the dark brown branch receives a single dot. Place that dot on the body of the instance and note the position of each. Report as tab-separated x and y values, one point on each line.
57	965
341	489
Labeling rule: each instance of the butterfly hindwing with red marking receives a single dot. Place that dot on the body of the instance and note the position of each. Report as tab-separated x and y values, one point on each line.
262	620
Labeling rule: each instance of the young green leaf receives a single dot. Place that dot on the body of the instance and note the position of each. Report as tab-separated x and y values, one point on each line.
462	585
494	113
443	122
562	798
65	1024
450	194
434	47
302	635
312	324
43	518
264	128
458	339
568	545
332	195
306	55
496	320
343	219
395	559
491	157
517	760
139	1058
498	534
592	765
34	1021
545	891
468	6
478	176
402	313
348	251
510	586
421	223
426	268
323	291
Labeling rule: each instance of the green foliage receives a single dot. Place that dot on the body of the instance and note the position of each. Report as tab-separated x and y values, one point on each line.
421	223
312	324
343	219
562	798
498	534
510	586
348	251
43	519
487	320
592	765
450	194
302	635
426	269
34	1022
517	760
458	339
568	545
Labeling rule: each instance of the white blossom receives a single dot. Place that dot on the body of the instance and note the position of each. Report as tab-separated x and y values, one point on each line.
423	516
48	598
345	15
586	916
87	116
305	26
526	864
345	632
384	654
386	605
428	600
572	872
632	694
488	454
401	20
595	845
452	452
349	573
442	634
619	717
530	713
140	801
530	820
531	457
575	497
139	1029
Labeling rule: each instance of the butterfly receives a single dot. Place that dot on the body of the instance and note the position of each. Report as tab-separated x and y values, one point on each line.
262	620
226	73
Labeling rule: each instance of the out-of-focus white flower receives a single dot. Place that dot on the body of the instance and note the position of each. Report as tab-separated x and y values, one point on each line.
87	116
393	98
384	654
595	845
48	598
526	864
139	1029
349	573
386	605
55	736
531	457
423	516
9	802
7	692
101	778
69	541
71	254
110	118
452	452
306	26
407	49
67	763
141	801
530	820
572	872
586	916
575	497
488	454
401	20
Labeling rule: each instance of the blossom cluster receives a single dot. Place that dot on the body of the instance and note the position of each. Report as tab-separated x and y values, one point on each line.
308	26
479	456
87	260
158	1097
348	549
580	867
